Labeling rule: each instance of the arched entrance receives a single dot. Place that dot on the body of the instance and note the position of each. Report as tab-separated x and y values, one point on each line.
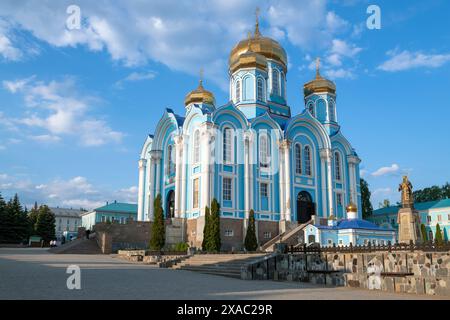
170	205
305	207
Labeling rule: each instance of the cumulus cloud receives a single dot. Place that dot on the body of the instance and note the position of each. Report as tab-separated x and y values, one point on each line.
183	35
57	108
76	192
383	171
7	50
406	60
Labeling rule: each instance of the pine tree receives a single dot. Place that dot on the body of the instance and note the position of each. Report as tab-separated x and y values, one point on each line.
6	222
45	224
214	242
206	229
367	208
438	236
423	229
158	236
32	217
251	243
20	226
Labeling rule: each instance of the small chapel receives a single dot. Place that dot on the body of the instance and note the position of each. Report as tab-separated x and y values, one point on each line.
293	169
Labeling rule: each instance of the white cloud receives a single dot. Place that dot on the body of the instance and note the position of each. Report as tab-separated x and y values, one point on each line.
57	108
383	171
136	76
382	192
75	192
183	35
406	60
7	50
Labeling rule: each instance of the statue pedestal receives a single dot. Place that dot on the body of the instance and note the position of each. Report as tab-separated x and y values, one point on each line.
409	226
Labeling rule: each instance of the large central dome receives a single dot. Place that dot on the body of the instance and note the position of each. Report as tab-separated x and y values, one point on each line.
258	44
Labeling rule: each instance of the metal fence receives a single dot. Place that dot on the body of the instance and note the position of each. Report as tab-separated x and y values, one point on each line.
427	246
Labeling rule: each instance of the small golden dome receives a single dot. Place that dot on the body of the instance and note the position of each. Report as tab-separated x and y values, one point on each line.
264	46
319	84
332	217
352	207
200	95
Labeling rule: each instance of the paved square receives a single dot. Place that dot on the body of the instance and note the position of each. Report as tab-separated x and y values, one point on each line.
37	274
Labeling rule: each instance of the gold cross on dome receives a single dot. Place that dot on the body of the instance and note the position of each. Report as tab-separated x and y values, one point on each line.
201	76
317	66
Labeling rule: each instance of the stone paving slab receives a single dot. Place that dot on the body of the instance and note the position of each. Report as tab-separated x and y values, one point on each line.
37	274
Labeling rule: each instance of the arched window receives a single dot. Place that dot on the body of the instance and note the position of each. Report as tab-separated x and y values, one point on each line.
197	147
307	155
311	109
275	82
331	115
337	166
282	85
260	90
238	90
298	159
227	145
170	163
264	151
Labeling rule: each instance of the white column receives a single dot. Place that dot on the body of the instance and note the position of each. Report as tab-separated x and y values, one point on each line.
329	160
353	161
141	194
206	166
178	174
158	172
323	170
282	182
183	176
287	170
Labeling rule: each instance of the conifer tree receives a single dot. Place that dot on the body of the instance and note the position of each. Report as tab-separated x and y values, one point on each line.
206	229
214	243
18	217
32	217
251	243
6	222
158	236
45	224
438	236
424	232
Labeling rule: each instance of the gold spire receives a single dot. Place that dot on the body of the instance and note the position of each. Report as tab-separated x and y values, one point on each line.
257	33
200	82
317	67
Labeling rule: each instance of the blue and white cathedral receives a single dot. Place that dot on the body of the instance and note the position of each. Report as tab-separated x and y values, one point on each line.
253	154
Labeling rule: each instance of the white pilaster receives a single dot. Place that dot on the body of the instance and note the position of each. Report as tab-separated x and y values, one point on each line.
282	183
329	161
206	142
286	144
183	176
141	191
178	174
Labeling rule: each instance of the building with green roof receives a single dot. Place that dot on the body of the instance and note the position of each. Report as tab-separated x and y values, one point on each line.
431	213
115	212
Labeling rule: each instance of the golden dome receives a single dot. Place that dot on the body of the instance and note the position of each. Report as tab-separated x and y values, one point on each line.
264	46
319	84
200	95
332	217
352	207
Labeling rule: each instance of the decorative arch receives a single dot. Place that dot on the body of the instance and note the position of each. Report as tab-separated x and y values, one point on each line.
170	123
306	120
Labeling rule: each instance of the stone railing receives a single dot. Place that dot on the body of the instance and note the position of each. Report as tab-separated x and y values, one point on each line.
415	272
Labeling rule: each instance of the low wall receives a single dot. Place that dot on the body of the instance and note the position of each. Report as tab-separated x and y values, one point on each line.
402	272
112	237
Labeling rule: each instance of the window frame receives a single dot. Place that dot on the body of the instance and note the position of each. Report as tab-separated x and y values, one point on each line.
298	159
307	154
196	147
229	181
337	166
195	193
237	91
260	95
264	151
275	74
228	150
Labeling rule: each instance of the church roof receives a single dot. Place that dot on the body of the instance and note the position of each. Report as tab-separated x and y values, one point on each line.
178	118
421	206
354	224
119	207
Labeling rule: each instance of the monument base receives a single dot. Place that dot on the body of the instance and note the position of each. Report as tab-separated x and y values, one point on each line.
409	226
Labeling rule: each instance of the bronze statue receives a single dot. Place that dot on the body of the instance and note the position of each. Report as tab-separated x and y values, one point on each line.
407	196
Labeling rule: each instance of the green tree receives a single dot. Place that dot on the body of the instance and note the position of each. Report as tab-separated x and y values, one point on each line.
6	222
433	193
438	236
206	229
158	236
367	208
20	228
423	230
251	243
45	224
213	243
32	217
385	204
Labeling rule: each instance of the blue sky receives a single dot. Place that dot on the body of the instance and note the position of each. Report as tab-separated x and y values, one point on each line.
76	105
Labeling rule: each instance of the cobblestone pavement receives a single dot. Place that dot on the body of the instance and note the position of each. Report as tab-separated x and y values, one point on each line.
37	274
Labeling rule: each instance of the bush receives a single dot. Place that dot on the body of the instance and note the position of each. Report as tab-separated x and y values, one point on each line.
181	246
438	236
251	243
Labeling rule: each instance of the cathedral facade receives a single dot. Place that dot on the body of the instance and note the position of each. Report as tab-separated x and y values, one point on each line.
251	154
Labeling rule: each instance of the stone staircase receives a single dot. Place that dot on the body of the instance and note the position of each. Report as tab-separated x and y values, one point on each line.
78	246
290	237
227	265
